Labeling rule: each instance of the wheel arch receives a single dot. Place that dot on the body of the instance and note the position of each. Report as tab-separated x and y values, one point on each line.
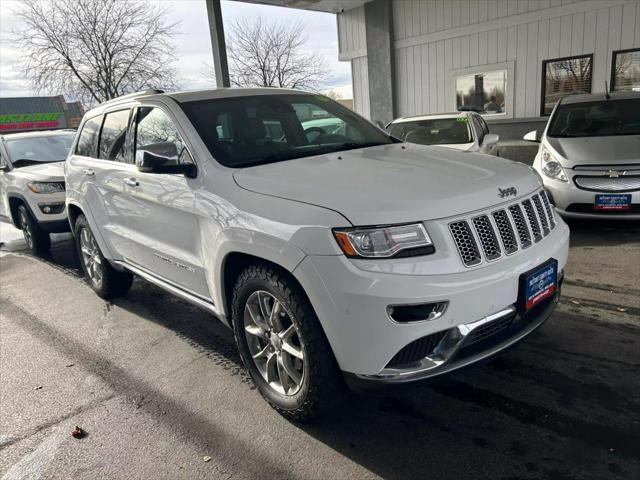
15	200
232	265
73	212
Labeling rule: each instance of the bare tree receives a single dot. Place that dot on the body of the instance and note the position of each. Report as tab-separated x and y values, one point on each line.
95	50
271	54
334	94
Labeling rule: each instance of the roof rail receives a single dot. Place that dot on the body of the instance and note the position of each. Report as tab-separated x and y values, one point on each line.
151	91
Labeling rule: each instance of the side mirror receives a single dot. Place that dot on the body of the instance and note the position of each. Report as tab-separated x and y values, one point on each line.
490	139
532	136
163	158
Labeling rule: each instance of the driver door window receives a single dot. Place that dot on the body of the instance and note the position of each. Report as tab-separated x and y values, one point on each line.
156	133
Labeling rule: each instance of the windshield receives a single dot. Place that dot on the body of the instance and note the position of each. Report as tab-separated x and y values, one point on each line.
30	150
254	130
440	131
596	119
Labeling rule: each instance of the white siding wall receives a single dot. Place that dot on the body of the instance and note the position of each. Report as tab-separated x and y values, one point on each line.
435	37
359	75
351	34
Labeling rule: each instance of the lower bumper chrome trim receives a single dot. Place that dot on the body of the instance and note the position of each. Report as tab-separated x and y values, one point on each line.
446	357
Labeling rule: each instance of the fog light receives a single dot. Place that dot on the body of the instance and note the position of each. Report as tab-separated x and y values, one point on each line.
51	208
417	313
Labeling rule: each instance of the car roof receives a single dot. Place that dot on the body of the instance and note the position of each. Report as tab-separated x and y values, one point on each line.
598	97
431	117
194	95
37	134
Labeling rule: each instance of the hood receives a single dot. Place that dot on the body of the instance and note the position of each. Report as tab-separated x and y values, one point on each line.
47	172
619	149
390	184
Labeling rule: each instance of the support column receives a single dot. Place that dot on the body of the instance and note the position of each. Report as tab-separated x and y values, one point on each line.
216	30
380	60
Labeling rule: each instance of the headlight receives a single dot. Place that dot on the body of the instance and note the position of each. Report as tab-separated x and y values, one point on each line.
46	187
384	242
551	167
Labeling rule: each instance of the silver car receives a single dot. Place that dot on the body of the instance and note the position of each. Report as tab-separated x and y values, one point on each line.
589	156
460	130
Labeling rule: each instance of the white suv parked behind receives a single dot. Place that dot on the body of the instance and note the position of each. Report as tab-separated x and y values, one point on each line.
32	184
332	256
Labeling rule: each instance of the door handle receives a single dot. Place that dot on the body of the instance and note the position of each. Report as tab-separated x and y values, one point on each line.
132	182
88	172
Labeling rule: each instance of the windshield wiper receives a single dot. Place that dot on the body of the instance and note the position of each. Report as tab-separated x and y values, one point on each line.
23	162
321	149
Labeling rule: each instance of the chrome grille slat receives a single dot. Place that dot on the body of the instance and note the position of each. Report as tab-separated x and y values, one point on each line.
541	214
487	237
509	229
466	244
505	229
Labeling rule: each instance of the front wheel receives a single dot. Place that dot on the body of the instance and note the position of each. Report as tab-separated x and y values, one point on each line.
36	239
105	280
282	344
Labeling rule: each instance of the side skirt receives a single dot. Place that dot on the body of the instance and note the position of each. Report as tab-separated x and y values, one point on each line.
170	287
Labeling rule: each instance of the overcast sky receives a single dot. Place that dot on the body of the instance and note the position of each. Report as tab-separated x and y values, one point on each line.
193	44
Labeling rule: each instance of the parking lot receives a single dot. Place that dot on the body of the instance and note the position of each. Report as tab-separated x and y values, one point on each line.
158	387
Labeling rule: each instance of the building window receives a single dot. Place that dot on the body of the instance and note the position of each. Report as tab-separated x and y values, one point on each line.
564	76
483	92
625	71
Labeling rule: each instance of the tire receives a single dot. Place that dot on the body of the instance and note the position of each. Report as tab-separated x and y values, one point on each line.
316	383
105	280
36	238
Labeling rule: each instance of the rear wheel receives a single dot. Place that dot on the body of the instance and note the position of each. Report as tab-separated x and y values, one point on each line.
35	237
282	344
105	280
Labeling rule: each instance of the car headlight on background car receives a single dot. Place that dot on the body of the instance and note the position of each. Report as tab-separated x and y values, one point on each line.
46	187
551	167
384	242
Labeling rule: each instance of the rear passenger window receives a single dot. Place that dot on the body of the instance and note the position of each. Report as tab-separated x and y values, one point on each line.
157	134
88	138
114	135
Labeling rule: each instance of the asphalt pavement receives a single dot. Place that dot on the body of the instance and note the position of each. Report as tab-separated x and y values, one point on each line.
158	388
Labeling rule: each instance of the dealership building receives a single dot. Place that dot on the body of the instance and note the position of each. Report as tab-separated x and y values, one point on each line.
24	114
412	57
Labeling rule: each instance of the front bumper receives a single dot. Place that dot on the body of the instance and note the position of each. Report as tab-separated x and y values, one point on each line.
462	346
574	202
351	301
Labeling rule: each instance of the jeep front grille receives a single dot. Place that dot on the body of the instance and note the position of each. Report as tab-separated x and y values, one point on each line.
541	214
504	231
487	237
547	208
521	225
466	243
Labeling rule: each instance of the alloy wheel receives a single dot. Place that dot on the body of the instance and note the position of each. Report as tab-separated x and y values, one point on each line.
274	342
91	256
26	229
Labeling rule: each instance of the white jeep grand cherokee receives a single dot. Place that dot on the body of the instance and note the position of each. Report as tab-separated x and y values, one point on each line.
332	256
32	184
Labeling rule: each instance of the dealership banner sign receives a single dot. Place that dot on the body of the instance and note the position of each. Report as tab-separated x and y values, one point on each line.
30	121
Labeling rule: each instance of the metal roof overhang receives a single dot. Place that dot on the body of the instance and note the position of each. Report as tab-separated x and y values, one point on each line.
330	6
